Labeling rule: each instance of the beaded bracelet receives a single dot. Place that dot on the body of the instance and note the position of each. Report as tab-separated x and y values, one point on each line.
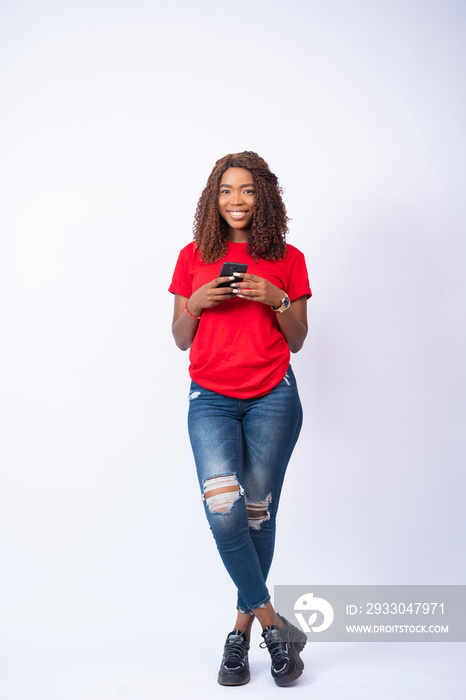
189	314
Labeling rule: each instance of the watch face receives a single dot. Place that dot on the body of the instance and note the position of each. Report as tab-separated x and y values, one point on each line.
286	303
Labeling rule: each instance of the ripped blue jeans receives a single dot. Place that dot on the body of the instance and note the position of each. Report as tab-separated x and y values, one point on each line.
242	448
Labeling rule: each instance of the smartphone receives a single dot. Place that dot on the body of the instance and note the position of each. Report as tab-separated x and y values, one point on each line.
228	268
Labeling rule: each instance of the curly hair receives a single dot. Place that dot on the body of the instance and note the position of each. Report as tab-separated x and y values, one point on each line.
269	224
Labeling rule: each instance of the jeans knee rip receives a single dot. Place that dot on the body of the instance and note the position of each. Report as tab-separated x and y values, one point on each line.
258	512
221	493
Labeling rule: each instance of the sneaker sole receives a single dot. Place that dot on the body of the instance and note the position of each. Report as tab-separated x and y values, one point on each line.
226	680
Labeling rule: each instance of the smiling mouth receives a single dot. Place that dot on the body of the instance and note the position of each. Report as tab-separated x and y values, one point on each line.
237	214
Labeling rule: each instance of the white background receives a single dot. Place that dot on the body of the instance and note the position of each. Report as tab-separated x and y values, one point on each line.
112	116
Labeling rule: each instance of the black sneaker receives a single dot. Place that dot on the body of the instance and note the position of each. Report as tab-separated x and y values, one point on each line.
234	669
284	645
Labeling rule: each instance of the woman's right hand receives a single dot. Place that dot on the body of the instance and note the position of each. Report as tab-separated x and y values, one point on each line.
184	327
210	295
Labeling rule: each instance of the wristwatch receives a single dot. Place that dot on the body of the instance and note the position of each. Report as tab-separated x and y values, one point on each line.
284	305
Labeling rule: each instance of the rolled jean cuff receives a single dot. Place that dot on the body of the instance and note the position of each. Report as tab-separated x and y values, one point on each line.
249	610
244	611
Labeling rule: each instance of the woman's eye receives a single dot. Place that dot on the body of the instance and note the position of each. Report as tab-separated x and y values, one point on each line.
224	191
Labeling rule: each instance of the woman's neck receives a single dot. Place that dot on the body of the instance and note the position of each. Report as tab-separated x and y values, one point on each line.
238	235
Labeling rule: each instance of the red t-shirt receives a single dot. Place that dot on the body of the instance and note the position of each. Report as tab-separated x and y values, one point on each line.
238	349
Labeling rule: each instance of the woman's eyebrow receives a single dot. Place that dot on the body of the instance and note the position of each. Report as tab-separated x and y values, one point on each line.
248	184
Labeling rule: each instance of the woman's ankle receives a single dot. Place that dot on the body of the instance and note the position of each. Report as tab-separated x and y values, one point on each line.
267	616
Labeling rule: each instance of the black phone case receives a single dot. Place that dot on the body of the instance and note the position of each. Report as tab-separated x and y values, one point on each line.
228	268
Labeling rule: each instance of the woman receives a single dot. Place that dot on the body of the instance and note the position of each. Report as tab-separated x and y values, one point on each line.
244	410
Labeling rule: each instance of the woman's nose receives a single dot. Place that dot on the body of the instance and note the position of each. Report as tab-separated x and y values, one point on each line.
237	197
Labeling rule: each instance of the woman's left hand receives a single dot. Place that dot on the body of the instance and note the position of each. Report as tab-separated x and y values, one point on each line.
292	323
257	289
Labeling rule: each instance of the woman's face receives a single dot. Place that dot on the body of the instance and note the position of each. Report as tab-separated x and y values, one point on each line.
236	198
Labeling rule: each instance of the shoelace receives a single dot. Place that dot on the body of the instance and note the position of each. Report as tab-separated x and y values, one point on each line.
235	649
277	649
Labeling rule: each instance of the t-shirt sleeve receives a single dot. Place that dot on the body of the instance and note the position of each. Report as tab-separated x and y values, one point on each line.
182	279
298	278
